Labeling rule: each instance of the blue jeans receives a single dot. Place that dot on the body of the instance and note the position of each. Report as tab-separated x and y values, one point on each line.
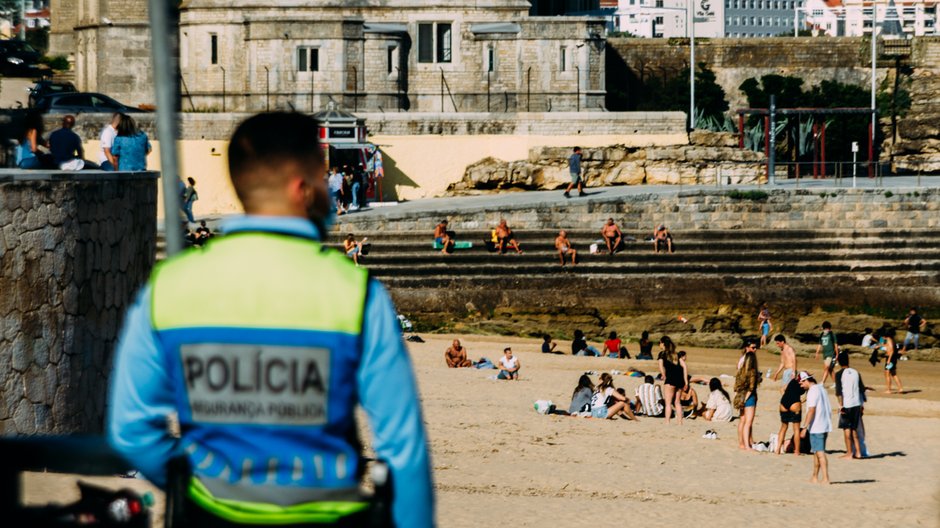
355	195
188	209
106	166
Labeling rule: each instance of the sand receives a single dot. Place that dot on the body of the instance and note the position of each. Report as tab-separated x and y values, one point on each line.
497	461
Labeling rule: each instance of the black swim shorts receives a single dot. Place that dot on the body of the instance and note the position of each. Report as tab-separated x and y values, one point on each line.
849	418
790	417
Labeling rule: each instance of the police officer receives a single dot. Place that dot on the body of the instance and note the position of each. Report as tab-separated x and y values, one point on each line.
261	345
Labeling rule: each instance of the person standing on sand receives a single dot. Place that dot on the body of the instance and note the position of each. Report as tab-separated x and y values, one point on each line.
915	325
456	356
787	362
791	412
763	319
829	346
745	395
818	425
675	376
851	393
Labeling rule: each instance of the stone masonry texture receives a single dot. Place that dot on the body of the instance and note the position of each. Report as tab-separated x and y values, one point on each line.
74	248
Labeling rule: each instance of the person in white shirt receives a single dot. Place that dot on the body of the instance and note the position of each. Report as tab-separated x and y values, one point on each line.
818	425
335	183
718	408
851	393
509	366
106	160
649	398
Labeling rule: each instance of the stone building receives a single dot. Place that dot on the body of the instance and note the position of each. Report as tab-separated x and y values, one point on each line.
395	55
443	56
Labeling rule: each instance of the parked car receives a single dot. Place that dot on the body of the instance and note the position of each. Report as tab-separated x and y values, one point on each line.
82	102
18	58
46	87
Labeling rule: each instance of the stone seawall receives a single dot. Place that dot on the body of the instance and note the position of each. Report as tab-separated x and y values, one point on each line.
74	247
850	209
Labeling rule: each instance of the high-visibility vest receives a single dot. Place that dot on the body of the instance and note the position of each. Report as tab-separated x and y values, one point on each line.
262	335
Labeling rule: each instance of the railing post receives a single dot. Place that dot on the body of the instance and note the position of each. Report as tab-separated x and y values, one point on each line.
313	82
577	69
267	89
528	90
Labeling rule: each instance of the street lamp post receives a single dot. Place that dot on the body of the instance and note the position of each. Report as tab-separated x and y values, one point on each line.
691	28
874	36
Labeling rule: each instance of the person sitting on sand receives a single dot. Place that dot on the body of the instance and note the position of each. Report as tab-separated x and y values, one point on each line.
613	237
582	395
509	366
563	246
607	402
688	400
612	346
662	239
443	237
791	412
646	346
548	346
649	398
505	238
456	356
718	408
580	347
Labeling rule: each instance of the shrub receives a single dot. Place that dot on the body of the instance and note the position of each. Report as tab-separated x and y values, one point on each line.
888	194
757	196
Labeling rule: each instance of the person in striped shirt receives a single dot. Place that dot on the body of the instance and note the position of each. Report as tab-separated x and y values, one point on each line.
649	398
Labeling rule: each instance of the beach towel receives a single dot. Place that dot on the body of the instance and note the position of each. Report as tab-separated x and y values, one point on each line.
484	364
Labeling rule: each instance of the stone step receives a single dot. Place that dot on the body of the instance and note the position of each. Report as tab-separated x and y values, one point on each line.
526	270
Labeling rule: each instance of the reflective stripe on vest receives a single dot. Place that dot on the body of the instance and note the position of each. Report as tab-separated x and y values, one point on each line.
262	336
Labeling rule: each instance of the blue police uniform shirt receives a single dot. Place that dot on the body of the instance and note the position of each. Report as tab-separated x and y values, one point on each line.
142	394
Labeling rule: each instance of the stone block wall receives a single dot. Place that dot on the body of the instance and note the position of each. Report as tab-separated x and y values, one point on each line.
74	248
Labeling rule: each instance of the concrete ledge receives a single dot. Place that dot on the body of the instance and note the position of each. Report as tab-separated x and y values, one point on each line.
20	175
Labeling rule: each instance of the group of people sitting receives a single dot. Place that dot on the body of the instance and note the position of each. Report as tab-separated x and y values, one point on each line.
509	365
502	238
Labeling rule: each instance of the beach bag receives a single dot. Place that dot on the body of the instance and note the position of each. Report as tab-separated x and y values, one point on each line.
485	364
594	248
543	406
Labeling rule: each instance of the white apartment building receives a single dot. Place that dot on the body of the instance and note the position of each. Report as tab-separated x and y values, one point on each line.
852	18
670	18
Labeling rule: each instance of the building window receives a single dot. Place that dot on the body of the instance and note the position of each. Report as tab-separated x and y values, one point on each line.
491	60
435	41
659	3
760	4
659	20
308	59
817	12
213	48
563	59
392	55
727	4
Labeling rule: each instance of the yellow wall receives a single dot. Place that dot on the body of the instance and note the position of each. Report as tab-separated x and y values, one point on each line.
415	166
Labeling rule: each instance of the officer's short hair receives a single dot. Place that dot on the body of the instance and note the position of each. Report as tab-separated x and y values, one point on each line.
269	139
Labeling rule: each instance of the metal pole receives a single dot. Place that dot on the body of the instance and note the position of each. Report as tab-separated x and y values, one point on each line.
822	149
773	142
767	143
22	19
442	90
356	89
691	25
267	89
854	159
165	76
313	89
874	37
487	90
796	18
223	88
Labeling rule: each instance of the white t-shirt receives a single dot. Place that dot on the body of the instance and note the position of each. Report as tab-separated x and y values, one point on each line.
723	410
600	397
822	421
851	395
868	340
108	133
508	364
336	182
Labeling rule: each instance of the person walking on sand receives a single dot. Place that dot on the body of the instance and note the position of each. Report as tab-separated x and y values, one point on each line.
189	197
563	246
892	357
829	346
745	396
574	168
818	425
787	362
456	356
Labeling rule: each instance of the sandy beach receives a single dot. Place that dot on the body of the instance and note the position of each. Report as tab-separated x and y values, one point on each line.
497	461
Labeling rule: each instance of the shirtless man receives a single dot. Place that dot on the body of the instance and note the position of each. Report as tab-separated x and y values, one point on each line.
661	236
443	238
787	362
563	245
505	238
456	356
612	235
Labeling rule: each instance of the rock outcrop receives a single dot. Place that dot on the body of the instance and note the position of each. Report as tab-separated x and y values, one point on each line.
709	155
